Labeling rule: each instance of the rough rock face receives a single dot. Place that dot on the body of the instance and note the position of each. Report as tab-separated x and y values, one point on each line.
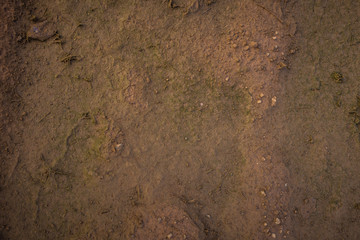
41	31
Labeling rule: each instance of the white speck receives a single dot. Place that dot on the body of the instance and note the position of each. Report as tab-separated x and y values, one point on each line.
274	38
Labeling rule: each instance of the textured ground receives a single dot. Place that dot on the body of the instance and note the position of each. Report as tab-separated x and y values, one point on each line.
180	120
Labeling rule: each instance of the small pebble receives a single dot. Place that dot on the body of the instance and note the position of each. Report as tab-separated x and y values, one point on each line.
118	147
261	95
169	236
274	38
273	101
281	65
254	44
277	221
259	101
262	192
234	45
208	216
273	235
246	48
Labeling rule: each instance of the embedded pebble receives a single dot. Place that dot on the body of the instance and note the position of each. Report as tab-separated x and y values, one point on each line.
277	221
41	31
273	235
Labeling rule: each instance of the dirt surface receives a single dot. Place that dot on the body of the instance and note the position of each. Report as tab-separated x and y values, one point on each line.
180	119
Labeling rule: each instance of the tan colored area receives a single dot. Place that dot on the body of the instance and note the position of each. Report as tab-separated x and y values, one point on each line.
180	120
